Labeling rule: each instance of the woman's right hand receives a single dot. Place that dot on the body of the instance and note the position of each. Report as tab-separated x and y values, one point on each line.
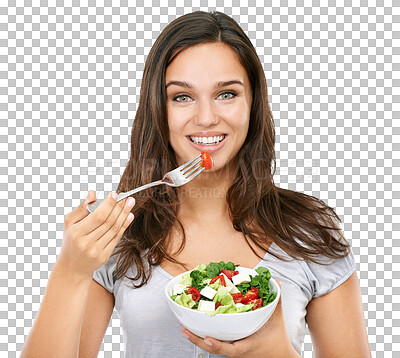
90	238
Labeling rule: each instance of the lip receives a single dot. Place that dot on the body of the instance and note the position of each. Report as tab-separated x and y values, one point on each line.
206	134
208	148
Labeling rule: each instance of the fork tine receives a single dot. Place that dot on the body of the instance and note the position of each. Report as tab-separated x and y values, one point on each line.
195	174
191	169
191	166
189	162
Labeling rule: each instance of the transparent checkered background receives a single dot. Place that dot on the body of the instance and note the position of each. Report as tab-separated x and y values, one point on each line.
70	73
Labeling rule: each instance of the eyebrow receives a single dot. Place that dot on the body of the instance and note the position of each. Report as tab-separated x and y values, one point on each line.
217	85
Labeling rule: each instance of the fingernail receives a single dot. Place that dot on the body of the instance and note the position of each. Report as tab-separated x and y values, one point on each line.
114	195
130	202
185	334
130	217
206	341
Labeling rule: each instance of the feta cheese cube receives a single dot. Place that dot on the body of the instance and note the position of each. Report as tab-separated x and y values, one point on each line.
178	288
206	306
232	289
208	292
229	285
241	278
239	304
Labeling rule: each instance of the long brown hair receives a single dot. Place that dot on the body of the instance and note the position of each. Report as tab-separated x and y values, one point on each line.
301	225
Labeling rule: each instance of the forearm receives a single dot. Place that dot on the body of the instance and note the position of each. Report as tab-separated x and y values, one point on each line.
57	327
293	354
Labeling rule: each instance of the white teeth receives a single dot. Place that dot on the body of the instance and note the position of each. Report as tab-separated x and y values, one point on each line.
207	140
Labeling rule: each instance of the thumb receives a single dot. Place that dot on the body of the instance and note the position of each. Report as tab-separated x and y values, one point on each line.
80	212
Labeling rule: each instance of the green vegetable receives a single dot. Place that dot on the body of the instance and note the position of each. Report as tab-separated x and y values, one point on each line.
227	303
261	282
216	285
232	308
214	268
223	296
197	278
185	300
201	277
186	280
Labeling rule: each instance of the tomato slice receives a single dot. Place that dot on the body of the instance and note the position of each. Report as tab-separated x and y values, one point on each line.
217	305
194	292
222	278
237	297
255	290
208	161
229	273
257	303
250	295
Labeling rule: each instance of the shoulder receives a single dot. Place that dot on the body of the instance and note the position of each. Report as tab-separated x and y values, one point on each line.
328	274
104	275
313	279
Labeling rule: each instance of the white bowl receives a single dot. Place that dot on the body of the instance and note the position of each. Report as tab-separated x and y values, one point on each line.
227	326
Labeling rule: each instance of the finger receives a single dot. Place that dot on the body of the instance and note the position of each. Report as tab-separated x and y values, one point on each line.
105	233
91	198
213	345
80	212
100	216
114	241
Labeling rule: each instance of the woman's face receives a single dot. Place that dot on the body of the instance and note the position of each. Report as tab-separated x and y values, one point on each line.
208	103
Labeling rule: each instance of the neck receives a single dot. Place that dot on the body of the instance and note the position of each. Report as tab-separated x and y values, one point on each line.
204	198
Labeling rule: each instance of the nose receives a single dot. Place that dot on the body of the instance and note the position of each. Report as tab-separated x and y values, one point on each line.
206	115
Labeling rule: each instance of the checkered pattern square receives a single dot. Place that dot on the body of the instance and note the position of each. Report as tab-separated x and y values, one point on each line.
70	75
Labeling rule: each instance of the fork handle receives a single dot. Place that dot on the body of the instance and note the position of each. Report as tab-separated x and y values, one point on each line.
121	196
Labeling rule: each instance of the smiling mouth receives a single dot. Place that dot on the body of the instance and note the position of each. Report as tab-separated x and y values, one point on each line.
207	140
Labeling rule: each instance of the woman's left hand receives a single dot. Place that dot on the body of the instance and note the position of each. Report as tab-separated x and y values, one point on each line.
271	340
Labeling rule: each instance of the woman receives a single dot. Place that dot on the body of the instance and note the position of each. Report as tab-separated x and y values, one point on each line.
202	79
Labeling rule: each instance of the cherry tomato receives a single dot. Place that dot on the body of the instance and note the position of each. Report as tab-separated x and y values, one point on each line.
237	297
208	161
255	290
222	278
250	295
257	303
194	292
229	273
217	305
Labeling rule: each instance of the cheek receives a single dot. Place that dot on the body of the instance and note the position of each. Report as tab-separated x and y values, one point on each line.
176	127
172	122
241	123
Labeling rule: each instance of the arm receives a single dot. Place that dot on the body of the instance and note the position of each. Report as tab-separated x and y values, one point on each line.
57	326
336	322
88	244
97	316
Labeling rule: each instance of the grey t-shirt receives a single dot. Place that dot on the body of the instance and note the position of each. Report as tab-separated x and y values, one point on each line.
151	330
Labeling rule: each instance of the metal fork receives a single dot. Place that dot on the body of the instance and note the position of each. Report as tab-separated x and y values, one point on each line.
177	177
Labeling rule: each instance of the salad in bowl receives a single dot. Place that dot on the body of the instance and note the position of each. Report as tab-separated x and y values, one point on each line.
223	300
219	288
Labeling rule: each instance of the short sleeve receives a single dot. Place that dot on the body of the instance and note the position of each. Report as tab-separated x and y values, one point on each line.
325	278
105	274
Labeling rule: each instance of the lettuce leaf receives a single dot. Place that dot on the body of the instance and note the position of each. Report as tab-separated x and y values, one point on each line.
223	296
201	268
186	280
231	308
185	300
